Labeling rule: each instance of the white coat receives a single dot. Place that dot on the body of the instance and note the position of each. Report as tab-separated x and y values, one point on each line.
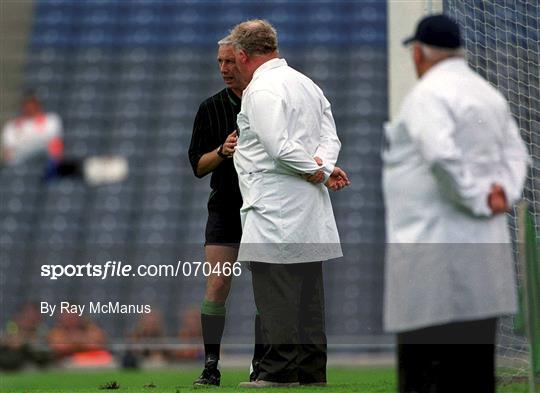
284	122
448	258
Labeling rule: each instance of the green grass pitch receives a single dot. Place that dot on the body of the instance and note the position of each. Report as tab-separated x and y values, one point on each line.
361	380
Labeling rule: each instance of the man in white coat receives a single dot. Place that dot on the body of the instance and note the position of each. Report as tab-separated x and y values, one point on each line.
453	164
287	135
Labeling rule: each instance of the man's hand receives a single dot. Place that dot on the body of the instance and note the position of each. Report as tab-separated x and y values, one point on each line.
317	177
337	180
230	144
497	201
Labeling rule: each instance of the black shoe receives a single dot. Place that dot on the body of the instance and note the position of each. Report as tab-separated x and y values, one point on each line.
255	370
210	375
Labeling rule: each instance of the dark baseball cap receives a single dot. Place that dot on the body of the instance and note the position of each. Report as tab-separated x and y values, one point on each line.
437	30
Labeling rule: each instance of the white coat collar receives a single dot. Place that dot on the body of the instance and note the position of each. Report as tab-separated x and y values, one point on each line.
448	64
270	64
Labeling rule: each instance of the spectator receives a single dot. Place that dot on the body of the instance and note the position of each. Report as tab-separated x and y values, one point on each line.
74	334
24	339
190	334
148	333
36	132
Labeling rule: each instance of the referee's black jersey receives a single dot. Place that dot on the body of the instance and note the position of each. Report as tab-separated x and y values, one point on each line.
215	120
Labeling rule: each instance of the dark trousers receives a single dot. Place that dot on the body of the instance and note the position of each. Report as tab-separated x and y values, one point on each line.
456	357
290	300
63	168
70	167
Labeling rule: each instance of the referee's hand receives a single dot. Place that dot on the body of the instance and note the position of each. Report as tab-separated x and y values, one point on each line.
229	145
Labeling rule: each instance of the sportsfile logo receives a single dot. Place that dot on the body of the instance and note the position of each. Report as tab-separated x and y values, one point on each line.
109	269
112	269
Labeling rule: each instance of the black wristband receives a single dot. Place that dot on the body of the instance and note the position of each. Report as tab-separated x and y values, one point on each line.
220	153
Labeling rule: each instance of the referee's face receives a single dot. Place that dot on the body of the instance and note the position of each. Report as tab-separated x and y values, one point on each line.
227	67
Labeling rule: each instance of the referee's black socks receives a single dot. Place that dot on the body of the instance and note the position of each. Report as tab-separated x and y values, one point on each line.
213	323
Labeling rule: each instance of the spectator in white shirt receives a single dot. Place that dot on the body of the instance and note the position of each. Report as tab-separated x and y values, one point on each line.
36	132
454	164
33	132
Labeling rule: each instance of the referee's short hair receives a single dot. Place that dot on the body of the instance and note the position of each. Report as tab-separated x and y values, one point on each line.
255	37
226	41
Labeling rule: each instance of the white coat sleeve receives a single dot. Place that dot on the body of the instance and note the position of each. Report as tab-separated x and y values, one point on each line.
515	160
432	129
267	114
329	146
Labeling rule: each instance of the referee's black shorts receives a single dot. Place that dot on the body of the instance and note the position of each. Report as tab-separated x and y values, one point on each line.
223	228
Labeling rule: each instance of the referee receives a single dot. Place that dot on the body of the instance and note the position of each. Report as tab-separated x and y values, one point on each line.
211	149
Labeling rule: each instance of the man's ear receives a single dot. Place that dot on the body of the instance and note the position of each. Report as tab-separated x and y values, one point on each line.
243	56
418	54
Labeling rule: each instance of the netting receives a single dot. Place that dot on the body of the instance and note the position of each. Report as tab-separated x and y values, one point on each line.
502	40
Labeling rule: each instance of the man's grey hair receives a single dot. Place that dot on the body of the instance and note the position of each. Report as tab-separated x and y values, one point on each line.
255	37
225	41
436	53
